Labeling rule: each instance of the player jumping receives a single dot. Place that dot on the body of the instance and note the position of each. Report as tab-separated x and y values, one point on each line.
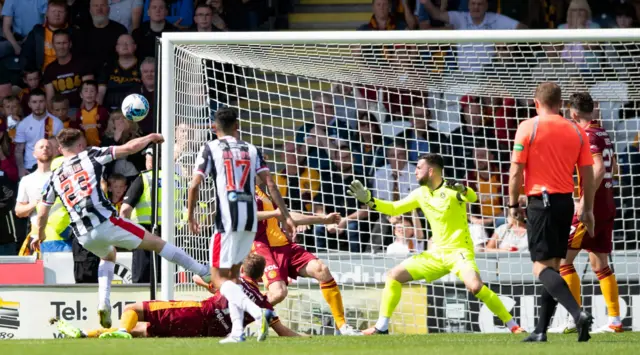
184	319
93	218
444	205
599	246
234	165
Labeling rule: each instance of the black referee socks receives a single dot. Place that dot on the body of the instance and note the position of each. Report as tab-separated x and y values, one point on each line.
547	309
558	288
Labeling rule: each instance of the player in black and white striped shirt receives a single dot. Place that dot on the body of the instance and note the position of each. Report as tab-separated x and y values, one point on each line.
233	164
93	218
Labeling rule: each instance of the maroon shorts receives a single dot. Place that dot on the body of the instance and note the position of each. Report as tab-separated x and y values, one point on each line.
283	262
180	319
602	242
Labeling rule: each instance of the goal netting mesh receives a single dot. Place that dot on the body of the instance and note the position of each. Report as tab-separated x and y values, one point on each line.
327	111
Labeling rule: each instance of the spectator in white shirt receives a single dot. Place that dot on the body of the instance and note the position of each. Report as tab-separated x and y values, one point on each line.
393	182
403	232
38	125
30	188
510	236
473	56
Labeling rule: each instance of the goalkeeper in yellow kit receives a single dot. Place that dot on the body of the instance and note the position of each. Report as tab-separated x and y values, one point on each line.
444	205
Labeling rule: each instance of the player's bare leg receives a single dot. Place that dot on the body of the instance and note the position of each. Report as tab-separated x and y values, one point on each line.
390	299
132	314
609	287
316	269
277	292
105	278
474	284
570	276
226	280
152	242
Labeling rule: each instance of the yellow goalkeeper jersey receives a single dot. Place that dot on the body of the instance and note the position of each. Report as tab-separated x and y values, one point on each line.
446	212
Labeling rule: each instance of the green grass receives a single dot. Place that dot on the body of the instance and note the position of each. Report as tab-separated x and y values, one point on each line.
437	344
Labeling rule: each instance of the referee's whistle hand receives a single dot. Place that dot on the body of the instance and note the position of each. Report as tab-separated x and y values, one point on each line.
587	218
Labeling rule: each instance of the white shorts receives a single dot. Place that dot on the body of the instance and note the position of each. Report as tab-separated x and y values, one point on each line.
230	248
116	232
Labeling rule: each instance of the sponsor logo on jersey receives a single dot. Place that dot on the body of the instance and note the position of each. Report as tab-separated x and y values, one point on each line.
272	274
233	197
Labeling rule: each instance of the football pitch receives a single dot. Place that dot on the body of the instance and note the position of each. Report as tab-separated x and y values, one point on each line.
438	344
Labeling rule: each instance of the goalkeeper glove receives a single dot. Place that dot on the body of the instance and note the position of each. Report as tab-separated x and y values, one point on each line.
455	186
361	193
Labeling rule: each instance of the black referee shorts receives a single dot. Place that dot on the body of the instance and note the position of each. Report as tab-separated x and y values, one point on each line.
548	228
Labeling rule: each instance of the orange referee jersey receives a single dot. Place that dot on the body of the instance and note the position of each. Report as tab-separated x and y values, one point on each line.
550	147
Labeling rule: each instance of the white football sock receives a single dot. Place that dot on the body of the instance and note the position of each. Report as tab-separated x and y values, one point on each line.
234	294
105	278
512	323
237	320
178	256
382	324
615	320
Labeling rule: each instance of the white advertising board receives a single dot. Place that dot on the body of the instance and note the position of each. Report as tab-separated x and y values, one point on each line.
25	311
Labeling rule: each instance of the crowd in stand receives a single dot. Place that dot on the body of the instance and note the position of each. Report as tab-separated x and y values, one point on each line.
70	63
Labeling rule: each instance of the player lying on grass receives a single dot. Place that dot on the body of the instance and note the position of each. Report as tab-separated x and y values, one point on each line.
599	246
185	319
286	259
444	205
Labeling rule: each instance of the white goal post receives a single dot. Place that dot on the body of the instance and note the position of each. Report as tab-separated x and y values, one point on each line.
337	105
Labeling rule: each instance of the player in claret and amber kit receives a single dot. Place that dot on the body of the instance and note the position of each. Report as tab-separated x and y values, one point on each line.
600	244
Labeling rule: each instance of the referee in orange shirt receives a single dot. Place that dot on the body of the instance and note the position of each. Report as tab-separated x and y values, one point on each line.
546	151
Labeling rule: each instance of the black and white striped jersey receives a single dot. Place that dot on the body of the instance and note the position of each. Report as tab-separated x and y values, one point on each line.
233	164
77	183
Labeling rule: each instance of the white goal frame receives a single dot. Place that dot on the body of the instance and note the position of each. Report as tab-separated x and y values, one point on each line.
168	94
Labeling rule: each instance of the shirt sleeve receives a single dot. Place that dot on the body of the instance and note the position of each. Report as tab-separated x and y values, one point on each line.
456	19
521	143
396	208
49	193
7	8
57	126
204	161
133	194
505	22
21	134
103	155
261	164
22	192
596	144
585	158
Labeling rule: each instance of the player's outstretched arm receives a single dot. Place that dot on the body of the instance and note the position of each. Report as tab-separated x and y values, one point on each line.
282	330
363	195
308	220
41	222
192	200
136	145
285	218
264	215
464	193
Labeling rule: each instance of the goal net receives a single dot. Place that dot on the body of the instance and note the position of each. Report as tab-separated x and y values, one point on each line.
330	107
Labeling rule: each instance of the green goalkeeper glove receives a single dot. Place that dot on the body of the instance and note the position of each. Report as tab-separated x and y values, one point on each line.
455	186
361	193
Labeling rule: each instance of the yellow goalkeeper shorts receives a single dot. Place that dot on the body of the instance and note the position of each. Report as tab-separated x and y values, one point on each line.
432	265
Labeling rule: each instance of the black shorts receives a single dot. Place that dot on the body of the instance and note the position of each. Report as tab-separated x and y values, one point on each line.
548	228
